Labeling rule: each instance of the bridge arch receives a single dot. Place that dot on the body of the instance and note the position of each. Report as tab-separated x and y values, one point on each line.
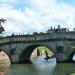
71	59
27	52
5	57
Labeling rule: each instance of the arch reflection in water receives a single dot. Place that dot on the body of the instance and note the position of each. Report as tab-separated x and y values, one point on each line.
30	69
4	68
4	63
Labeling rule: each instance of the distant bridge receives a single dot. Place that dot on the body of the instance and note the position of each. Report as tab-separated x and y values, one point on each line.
20	47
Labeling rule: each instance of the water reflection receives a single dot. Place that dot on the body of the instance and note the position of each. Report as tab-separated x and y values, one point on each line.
38	69
41	68
64	68
4	68
29	69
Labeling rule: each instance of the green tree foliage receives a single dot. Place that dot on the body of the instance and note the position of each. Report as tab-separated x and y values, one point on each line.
2	36
43	49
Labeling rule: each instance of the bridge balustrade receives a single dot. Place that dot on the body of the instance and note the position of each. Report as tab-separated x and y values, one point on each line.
73	36
30	38
4	40
69	36
41	37
38	37
1	40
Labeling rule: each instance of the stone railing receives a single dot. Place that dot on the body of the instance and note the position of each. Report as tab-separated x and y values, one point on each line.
38	37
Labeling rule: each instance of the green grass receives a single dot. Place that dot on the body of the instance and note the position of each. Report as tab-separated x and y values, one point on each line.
72	73
43	49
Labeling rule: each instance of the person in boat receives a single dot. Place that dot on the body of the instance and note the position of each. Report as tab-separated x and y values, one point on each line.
47	56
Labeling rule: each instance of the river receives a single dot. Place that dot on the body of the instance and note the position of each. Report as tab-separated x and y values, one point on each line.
38	69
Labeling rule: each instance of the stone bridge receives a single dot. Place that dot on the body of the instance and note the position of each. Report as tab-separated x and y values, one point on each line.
20	47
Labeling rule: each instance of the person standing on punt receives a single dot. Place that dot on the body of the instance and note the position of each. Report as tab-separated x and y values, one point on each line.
47	57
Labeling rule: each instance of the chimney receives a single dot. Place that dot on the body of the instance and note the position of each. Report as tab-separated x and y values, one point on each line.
58	27
51	27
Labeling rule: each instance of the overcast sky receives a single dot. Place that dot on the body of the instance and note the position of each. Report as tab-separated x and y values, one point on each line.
27	16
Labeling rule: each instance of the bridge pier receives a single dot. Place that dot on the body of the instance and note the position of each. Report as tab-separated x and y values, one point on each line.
61	58
15	59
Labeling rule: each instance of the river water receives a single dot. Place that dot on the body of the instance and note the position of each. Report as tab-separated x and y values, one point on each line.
38	68
31	69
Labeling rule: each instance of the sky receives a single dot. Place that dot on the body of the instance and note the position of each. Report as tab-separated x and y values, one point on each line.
28	16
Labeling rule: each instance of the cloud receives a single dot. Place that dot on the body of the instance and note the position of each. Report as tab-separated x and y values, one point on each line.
36	15
9	1
54	13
